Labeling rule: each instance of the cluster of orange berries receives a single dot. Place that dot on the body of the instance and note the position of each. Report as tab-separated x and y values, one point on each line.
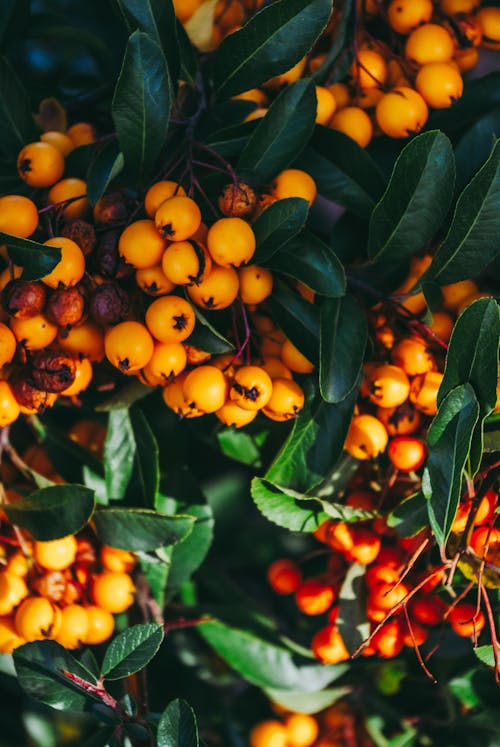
336	726
65	590
126	290
402	602
401	382
390	92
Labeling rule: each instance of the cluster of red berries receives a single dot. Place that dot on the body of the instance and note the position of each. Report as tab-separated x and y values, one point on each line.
391	86
126	290
402	599
336	726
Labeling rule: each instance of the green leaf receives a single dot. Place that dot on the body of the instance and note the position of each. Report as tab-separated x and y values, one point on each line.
36	259
449	438
146	457
141	105
282	133
140	529
125	397
472	358
475	145
279	223
314	444
206	336
263	663
53	512
300	702
269	44
156	571
352	622
299	512
230	141
416	200
40	668
486	655
472	240
344	172
409	516
344	19
105	167
188	60
298	319
131	650
310	260
239	445
16	120
157	19
119	453
188	555
177	726
343	338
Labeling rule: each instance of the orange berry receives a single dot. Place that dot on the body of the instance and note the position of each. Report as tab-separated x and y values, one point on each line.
7	345
231	242
55	555
328	646
400	421
186	263
388	641
184	9
385	596
178	218
388	386
256	284
294	183
485	542
489	21
430	43
380	572
314	597
86	339
81	133
442	325
413	634
168	360
366	546
36	619
367	437
170	319
218	290
413	356
68	189
254	94
113	591
456	293
233	416
13	590
405	15
457	7
71	267
74	626
355	123
427	610
276	369
159	192
114	559
18	216
302	730
59	140
439	83
369	69
401	112
9	408
128	346
40	164
486	508
341	93
153	281
289	77
284	576
101	624
83	377
406	453
268	734
17	565
140	244
205	388
325	105
423	392
294	359
466	620
287	400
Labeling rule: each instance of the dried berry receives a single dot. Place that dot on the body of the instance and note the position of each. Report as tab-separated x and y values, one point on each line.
29	397
107	260
110	209
108	304
66	307
82	233
53	371
237	200
24	299
51	585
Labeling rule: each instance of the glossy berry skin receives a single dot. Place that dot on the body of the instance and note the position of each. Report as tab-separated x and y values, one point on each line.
71	267
294	359
401	112
369	70
231	242
286	401
13	590
36	618
159	192
40	164
355	123
388	386
7	345
294	183
128	346
205	388
466	620
388	641
74	627
412	355
406	453
256	284
284	576
328	646
141	245
424	390
325	105
59	140
405	15
68	189
101	624
82	133
440	84
314	597
400	421
55	555
218	290
186	263
367	437
485	542
113	591
178	218
169	359
233	416
170	319
268	734
18	216
119	561
251	388
429	43
302	729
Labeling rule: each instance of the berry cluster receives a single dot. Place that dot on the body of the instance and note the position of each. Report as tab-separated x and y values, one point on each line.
126	289
337	726
409	57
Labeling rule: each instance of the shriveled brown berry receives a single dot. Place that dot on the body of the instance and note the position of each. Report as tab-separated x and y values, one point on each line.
53	371
24	299
29	397
237	200
86	552
66	307
107	259
51	585
82	233
110	209
108	304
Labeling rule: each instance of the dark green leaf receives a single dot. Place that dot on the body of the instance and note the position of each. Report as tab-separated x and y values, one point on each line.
157	19
177	726
206	336
141	104
279	223
486	654
263	663
352	621
298	319
140	529
105	167
272	42
131	650
36	259
416	200
310	260
188	61
344	19
410	516
472	240
40	668
449	438
343	338
16	120
229	141
282	133
67	455
475	145
125	397
239	445
53	512
344	172
156	571
314	444
146	457
119	453
188	555
472	358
